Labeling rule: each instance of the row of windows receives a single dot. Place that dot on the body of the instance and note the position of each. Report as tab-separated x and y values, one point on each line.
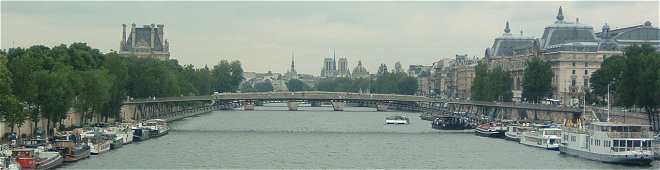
585	64
585	72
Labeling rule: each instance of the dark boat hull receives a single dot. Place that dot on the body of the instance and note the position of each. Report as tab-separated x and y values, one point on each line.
450	123
51	163
487	133
76	157
617	159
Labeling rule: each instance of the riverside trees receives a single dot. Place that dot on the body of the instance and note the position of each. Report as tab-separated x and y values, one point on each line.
491	85
386	83
42	82
635	79
537	80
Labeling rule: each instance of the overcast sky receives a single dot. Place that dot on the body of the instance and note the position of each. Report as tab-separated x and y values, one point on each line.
262	34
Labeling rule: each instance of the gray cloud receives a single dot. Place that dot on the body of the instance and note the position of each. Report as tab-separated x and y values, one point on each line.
262	34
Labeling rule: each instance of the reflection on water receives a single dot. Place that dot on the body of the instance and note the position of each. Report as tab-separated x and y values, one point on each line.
272	137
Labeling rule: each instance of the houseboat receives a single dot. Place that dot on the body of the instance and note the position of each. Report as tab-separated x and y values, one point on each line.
97	142
397	119
608	142
157	127
492	129
542	135
514	131
29	158
450	123
141	133
71	148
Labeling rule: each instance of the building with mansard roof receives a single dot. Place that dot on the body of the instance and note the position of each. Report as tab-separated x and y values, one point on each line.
572	49
147	41
509	44
619	39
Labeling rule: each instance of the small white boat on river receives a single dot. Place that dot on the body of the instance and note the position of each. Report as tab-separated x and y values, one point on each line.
397	119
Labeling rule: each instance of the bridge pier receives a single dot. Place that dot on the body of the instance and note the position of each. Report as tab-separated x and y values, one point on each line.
338	105
293	105
248	105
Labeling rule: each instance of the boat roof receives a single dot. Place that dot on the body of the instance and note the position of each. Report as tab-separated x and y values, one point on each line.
617	124
24	150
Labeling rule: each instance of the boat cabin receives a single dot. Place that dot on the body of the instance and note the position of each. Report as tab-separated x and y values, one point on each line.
616	137
26	157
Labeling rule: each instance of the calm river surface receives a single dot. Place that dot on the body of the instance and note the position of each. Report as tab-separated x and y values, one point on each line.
320	138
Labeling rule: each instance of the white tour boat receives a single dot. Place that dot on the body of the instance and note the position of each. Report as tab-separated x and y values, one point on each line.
514	131
542	135
397	119
608	142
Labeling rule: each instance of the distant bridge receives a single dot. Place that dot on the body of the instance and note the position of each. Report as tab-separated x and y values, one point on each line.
139	109
287	96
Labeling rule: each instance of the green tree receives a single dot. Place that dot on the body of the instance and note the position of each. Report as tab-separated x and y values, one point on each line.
55	95
10	108
227	76
407	85
639	85
480	85
491	85
610	73
265	86
537	80
296	85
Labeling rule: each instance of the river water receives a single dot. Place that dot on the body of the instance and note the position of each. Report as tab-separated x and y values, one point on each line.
318	137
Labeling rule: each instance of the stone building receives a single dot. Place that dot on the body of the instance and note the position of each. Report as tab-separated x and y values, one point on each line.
452	78
147	41
342	69
329	69
424	81
360	71
464	72
511	52
572	50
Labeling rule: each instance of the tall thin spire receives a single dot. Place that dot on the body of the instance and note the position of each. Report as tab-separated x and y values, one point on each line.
293	68
507	29
560	15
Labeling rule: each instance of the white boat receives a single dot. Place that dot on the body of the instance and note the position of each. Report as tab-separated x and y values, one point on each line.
514	131
397	120
96	141
608	142
157	127
126	132
543	136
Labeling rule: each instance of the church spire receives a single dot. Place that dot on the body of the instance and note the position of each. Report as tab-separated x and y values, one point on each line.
507	29
293	66
560	15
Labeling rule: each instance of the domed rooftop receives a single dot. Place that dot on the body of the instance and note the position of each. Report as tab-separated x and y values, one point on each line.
564	35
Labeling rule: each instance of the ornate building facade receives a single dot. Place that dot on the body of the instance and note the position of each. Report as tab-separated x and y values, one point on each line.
147	41
342	69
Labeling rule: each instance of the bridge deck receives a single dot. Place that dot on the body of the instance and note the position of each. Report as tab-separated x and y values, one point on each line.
345	96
